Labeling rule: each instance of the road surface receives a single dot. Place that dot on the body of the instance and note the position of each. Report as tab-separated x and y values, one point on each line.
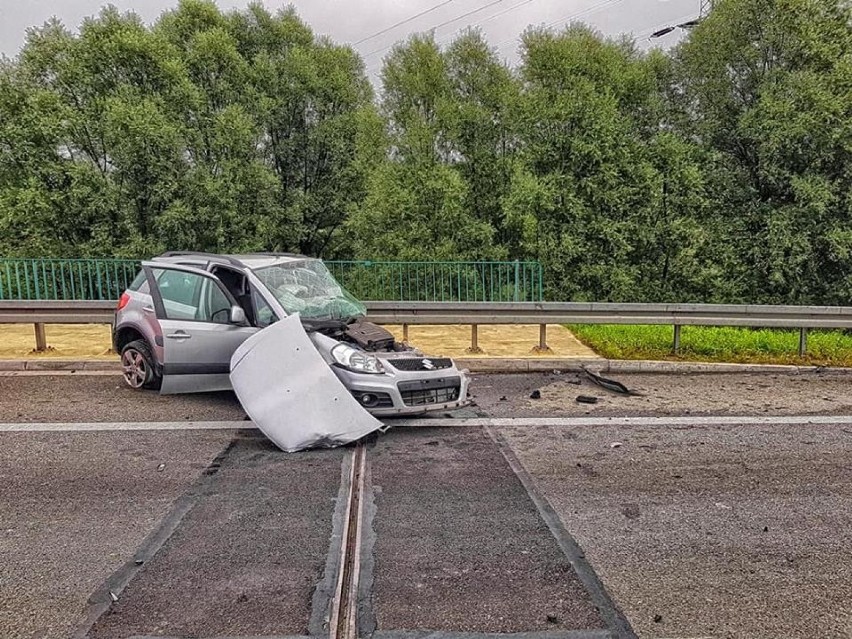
697	528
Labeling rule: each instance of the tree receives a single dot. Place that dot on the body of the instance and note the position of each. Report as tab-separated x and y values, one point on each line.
767	88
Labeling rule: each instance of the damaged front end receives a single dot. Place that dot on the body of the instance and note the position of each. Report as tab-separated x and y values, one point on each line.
386	377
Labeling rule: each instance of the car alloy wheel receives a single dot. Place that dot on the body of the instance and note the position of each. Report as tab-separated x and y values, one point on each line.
135	367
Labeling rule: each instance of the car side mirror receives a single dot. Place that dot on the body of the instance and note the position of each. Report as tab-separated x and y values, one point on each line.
238	316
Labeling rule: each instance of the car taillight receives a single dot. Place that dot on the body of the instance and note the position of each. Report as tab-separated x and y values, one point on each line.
123	300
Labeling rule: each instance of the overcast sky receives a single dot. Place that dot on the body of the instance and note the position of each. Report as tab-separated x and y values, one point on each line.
353	20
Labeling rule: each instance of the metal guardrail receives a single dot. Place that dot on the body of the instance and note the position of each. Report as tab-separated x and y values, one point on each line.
476	313
105	279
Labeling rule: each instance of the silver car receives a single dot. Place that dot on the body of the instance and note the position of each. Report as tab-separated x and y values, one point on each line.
180	321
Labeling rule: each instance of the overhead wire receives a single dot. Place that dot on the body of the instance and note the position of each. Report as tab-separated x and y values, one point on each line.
588	10
402	22
475	24
443	24
488	19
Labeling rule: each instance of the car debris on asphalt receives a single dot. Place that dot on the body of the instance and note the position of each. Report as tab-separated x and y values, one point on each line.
609	384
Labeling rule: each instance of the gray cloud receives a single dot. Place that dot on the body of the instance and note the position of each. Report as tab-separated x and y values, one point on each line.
352	20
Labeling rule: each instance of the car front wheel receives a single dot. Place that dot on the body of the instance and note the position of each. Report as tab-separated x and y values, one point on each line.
138	367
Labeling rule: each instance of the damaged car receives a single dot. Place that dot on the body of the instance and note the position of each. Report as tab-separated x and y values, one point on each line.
180	323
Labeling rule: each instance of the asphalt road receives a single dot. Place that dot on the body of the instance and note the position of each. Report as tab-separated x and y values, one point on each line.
75	507
695	530
246	559
708	531
89	398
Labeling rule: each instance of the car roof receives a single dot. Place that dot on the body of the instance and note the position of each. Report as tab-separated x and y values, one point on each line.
243	260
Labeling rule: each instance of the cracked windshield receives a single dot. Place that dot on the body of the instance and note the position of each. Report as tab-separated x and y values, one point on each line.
308	288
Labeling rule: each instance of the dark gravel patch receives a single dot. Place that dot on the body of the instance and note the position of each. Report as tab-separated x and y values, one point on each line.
246	559
460	545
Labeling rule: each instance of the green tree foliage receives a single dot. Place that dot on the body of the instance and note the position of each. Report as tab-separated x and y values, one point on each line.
768	87
435	195
222	132
717	171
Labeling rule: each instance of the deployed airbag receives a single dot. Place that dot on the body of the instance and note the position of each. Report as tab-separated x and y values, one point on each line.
292	394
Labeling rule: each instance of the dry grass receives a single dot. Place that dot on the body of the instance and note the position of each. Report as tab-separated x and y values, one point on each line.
92	341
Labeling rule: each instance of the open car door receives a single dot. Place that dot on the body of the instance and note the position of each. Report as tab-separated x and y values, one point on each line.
291	393
199	326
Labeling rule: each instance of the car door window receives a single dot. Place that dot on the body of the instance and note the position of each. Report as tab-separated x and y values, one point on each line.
189	296
263	313
216	307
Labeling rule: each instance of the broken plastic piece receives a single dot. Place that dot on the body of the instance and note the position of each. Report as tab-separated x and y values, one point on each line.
609	384
292	394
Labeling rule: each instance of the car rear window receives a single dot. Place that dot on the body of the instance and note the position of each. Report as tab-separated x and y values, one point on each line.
139	283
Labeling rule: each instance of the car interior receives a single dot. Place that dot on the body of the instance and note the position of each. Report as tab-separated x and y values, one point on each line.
237	284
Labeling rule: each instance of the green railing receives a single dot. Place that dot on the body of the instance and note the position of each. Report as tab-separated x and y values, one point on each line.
105	279
441	281
65	279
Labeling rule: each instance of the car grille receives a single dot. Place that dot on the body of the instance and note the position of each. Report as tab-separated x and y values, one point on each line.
430	391
416	363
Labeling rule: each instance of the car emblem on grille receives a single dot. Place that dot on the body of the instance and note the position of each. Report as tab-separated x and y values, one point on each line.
428	365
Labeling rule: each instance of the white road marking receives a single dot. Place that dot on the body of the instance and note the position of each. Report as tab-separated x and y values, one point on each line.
528	422
121	426
682	420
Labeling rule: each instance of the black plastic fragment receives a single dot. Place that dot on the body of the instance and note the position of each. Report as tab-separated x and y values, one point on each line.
609	384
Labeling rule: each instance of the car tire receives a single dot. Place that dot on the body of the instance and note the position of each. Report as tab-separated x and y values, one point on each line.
139	368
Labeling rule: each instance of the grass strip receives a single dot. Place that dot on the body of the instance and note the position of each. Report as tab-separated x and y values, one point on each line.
716	344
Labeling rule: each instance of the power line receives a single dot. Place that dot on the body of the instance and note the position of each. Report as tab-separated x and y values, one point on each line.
594	8
488	19
402	22
443	24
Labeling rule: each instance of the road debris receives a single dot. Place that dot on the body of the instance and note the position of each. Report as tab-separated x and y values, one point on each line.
609	384
587	399
161	468
536	394
616	445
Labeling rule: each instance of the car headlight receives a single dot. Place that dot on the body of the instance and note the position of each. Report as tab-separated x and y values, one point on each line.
356	360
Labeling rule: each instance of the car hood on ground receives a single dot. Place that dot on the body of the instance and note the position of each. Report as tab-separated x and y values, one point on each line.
290	392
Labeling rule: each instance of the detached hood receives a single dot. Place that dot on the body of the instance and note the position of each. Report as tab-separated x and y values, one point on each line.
292	394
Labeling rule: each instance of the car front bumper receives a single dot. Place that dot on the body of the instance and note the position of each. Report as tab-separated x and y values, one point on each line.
398	393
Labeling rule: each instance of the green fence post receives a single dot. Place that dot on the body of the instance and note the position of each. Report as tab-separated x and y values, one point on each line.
517	278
